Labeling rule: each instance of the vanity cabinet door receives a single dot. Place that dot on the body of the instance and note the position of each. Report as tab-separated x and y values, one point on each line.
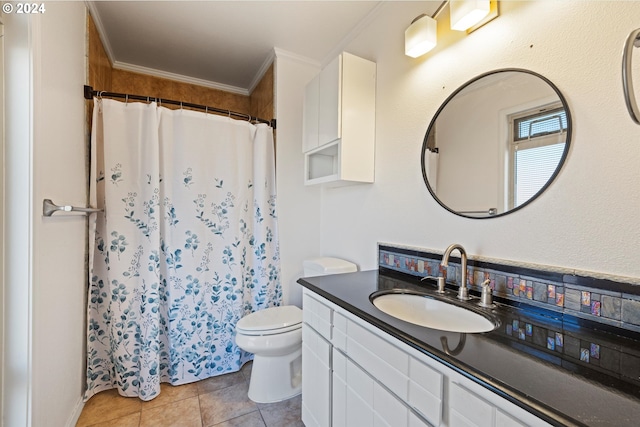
316	379
359	400
425	391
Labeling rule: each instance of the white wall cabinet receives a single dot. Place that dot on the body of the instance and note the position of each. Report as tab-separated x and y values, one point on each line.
376	380
335	80
339	122
310	114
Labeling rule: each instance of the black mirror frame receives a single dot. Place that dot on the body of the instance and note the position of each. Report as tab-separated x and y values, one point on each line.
553	176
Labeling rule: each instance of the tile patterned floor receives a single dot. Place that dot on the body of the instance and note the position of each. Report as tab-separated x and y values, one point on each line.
219	401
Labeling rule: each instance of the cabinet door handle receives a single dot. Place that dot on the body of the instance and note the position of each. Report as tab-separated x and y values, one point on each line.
627	79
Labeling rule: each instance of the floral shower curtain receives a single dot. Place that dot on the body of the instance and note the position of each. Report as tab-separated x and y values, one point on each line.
186	247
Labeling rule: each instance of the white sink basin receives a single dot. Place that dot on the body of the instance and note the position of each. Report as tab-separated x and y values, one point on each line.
432	313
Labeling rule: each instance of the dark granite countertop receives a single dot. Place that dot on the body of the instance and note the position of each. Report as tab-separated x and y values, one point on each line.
567	373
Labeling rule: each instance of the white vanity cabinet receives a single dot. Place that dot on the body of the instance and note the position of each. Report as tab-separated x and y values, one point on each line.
361	376
339	122
417	386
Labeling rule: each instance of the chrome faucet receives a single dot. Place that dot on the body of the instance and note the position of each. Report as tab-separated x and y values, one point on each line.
463	291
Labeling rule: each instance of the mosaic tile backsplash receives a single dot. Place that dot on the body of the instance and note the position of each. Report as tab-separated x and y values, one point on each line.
605	301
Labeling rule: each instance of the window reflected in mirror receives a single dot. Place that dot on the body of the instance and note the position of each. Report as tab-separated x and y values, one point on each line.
536	146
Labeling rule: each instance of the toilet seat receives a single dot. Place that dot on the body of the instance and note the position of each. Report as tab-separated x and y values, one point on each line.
271	321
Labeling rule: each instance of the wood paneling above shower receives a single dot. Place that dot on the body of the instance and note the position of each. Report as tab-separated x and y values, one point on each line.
157	87
99	64
102	76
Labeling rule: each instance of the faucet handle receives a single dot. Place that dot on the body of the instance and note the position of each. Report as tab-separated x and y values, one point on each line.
486	299
440	280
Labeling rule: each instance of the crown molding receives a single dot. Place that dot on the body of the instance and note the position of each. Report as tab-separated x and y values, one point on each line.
281	53
151	71
179	77
276	53
101	32
261	71
355	32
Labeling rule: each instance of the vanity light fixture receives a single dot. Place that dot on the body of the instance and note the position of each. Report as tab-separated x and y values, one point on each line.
466	14
421	36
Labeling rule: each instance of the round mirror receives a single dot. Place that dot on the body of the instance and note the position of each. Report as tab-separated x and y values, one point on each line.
496	143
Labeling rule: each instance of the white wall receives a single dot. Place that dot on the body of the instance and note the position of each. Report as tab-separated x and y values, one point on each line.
587	219
16	310
51	164
298	206
2	191
59	245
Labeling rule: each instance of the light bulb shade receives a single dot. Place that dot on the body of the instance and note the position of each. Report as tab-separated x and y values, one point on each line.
466	13
420	37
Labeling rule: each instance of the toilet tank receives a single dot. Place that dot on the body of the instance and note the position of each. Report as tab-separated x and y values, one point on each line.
325	265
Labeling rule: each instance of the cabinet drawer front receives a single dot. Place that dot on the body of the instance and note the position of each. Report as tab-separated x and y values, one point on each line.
425	391
339	333
467	408
316	315
384	361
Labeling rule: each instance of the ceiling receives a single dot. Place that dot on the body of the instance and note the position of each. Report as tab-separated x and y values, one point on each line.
226	43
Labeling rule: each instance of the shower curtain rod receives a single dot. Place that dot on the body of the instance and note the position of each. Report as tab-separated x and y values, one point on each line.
89	93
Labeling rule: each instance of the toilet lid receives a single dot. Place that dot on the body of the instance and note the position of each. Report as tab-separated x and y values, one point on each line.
276	319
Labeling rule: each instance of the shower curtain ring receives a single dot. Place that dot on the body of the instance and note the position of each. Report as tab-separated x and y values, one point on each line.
126	99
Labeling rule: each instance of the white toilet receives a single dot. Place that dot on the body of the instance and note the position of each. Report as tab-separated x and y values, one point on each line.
274	336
